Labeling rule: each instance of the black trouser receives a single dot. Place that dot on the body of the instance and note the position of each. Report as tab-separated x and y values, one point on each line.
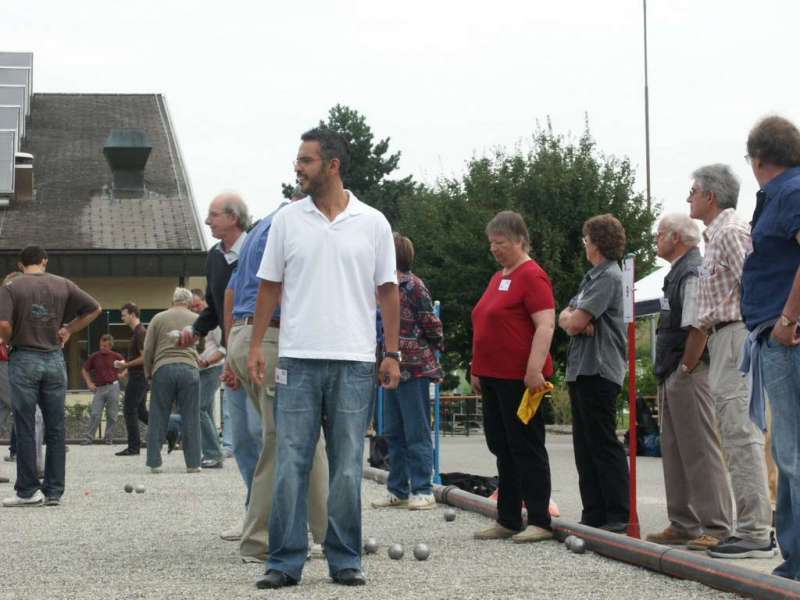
599	455
522	464
135	408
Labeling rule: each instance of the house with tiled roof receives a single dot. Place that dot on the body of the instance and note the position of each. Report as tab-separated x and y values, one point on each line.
99	181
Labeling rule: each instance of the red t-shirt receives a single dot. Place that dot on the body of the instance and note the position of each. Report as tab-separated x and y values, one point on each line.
100	367
502	328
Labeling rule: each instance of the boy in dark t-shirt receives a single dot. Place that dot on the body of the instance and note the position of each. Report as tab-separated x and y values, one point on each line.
100	374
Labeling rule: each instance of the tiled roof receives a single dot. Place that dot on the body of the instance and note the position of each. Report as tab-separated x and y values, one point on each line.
73	208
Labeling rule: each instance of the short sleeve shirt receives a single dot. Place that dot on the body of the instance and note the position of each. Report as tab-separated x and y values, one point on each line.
603	354
330	271
100	367
136	346
502	328
37	305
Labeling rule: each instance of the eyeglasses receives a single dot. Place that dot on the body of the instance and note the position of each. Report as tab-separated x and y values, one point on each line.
695	191
305	161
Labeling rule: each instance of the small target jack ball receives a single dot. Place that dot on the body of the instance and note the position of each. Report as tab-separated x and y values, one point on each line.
578	546
396	552
371	546
139	489
422	552
128	488
450	514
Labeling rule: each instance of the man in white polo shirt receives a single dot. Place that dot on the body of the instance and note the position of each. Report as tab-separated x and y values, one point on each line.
326	257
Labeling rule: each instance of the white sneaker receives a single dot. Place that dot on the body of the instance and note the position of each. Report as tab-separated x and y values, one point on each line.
36	500
390	501
316	551
421	502
194	469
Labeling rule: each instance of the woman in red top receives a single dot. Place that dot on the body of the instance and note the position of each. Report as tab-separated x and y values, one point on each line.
512	327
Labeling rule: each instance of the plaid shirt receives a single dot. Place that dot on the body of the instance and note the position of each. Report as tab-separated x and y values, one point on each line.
420	330
719	291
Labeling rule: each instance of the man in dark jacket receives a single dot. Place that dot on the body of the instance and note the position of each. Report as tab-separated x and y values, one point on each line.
698	495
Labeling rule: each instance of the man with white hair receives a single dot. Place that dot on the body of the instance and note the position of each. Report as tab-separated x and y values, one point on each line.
698	496
713	199
174	376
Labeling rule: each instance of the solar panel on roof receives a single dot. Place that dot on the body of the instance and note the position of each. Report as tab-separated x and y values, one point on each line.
8	148
18	76
14	95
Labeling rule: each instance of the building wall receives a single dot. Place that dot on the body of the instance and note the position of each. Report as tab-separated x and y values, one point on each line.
146	292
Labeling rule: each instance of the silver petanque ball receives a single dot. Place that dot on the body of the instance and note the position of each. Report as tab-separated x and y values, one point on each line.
569	540
139	489
578	546
422	552
371	546
395	551
128	488
450	514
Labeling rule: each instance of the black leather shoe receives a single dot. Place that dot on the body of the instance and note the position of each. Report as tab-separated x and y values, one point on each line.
127	452
350	577
272	580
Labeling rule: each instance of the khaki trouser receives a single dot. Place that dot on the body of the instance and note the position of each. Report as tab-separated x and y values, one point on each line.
742	442
698	494
255	528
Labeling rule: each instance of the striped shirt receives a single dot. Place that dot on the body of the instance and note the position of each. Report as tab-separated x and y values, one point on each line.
719	291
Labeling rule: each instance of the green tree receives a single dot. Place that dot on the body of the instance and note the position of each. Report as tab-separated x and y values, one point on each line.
556	186
370	164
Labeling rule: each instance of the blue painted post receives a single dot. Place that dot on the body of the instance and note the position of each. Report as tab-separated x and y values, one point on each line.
437	478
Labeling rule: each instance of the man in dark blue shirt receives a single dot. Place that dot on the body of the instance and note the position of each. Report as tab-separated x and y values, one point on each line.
240	307
771	307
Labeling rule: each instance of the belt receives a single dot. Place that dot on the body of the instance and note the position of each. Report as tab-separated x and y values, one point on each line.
250	320
717	326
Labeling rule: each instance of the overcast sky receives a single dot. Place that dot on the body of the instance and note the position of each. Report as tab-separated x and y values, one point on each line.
446	80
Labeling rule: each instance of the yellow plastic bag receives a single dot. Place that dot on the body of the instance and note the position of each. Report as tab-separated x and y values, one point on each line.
530	403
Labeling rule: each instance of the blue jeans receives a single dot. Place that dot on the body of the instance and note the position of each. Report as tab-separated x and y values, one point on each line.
335	395
39	378
177	382
245	426
781	376
407	429
209	435
227	436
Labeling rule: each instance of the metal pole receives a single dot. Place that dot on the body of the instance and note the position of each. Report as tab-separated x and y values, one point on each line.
437	478
646	111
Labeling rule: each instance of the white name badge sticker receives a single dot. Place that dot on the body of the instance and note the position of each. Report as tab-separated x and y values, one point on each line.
504	286
281	376
664	303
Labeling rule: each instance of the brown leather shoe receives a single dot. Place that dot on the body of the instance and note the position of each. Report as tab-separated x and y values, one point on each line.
704	542
495	532
669	537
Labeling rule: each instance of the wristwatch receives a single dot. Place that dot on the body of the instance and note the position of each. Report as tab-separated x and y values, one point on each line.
395	355
786	321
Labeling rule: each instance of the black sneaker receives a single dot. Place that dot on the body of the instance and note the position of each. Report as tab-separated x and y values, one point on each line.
736	547
349	577
52	501
172	441
272	580
127	452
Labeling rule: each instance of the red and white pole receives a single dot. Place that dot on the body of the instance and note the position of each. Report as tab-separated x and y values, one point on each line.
628	277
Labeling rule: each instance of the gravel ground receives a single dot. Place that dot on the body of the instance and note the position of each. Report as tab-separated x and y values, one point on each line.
104	543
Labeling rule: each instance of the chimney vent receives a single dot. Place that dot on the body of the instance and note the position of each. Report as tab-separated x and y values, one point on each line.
127	151
23	175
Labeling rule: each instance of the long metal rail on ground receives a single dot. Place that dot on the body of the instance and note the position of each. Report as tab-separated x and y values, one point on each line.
662	559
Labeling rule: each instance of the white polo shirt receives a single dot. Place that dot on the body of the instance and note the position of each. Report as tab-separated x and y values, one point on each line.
330	271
